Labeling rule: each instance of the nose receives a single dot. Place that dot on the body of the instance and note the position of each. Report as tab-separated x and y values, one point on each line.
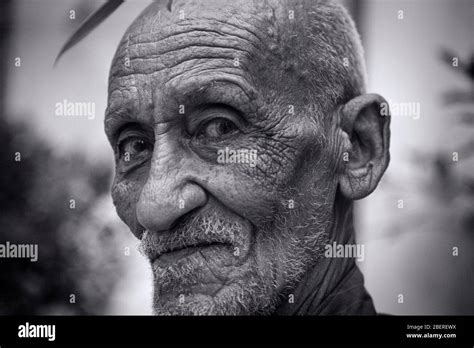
169	191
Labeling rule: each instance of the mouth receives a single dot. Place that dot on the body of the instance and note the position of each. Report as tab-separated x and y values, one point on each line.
174	254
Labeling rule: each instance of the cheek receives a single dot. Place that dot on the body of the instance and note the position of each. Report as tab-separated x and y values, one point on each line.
250	196
274	186
125	195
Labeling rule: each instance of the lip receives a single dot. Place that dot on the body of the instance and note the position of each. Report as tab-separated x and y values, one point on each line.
175	254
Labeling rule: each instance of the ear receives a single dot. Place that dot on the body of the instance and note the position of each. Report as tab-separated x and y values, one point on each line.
364	135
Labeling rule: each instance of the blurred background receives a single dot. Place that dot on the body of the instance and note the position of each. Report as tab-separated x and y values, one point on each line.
416	52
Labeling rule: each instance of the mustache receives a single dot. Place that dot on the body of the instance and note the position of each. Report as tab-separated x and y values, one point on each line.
192	231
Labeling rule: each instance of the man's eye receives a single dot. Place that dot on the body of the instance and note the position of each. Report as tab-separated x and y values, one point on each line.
131	147
217	128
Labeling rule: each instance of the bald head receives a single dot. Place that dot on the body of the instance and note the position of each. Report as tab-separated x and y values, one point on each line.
302	49
241	136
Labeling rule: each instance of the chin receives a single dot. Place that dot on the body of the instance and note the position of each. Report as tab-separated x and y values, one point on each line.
200	285
228	302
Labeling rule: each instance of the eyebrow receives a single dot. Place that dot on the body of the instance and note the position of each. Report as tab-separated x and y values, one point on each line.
238	94
118	116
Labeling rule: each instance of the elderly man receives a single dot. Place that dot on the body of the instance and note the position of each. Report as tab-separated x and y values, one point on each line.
282	81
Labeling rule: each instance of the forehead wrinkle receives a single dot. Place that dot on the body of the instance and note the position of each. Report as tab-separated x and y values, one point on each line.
126	103
120	101
218	73
191	89
144	38
245	19
216	70
194	39
249	23
171	54
207	89
188	50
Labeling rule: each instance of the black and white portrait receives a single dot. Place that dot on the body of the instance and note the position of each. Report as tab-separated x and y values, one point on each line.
237	157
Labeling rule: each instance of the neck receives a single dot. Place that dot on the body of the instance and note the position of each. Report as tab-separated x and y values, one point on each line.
333	286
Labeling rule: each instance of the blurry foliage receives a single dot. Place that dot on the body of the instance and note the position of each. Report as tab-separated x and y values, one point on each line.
78	251
447	183
456	182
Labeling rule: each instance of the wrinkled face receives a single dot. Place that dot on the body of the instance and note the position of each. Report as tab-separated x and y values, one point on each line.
219	170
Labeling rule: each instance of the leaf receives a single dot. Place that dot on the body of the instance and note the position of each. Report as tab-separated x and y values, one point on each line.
89	24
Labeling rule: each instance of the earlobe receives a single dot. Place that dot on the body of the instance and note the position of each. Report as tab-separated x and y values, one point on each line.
364	135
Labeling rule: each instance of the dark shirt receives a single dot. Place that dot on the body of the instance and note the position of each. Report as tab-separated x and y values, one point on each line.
331	287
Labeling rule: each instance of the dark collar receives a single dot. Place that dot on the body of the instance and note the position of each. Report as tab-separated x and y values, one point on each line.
329	292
